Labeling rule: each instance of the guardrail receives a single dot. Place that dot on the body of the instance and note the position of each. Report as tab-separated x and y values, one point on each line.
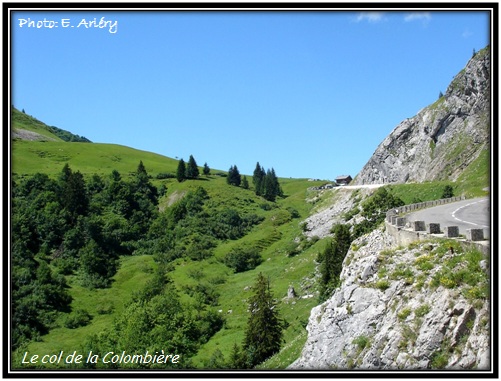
406	232
420	205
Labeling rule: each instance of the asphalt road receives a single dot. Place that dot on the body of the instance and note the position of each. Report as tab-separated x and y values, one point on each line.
467	214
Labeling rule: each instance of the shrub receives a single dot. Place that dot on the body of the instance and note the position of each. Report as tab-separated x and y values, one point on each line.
422	310
242	259
163	175
448	192
105	309
291	249
402	315
78	318
280	217
382	284
293	212
361	342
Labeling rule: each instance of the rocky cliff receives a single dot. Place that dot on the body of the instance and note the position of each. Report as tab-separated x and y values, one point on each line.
402	309
443	138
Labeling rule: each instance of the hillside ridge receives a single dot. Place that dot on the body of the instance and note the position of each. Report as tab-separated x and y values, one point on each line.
27	127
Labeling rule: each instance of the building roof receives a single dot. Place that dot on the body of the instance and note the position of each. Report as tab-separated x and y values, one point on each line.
343	177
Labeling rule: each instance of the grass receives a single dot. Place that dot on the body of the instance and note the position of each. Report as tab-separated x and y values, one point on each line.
404	313
427	191
361	342
133	273
422	310
24	121
29	157
271	237
476	176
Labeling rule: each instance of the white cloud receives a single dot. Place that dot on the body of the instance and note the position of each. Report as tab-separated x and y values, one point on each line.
370	16
424	16
467	33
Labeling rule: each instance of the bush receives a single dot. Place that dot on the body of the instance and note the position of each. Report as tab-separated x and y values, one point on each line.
361	341
78	318
280	217
105	309
163	175
293	212
448	192
242	259
291	249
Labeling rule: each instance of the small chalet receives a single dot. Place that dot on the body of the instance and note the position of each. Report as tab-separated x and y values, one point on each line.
343	180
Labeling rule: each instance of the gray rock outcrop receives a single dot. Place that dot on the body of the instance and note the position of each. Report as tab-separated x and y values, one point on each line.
387	316
443	138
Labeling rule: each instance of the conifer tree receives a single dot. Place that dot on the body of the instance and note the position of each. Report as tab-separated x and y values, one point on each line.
206	170
181	171
234	177
143	186
73	192
245	183
237	358
230	175
333	257
192	171
258	179
264	332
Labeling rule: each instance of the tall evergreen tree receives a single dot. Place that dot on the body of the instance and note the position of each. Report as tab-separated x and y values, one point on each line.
181	171
245	183
333	257
73	192
141	170
271	187
143	186
258	179
230	175
234	177
192	171
264	332
206	170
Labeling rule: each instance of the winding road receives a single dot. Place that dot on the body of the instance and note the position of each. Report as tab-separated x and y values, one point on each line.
466	214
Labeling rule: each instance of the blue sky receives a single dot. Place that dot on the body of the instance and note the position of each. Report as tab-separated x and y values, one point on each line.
311	94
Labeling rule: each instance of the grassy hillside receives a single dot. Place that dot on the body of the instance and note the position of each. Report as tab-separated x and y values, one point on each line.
274	237
30	157
24	122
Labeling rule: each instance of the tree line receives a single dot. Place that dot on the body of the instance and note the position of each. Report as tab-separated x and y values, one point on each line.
265	182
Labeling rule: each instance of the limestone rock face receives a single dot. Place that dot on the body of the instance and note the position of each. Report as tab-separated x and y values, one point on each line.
443	138
386	316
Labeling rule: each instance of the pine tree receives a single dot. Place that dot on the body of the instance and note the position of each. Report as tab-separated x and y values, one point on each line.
73	192
181	171
192	171
245	183
258	179
237	358
230	175
333	257
143	186
206	170
264	332
272	188
234	177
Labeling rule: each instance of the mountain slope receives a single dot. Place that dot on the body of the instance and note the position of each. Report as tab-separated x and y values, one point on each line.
26	127
442	139
49	157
